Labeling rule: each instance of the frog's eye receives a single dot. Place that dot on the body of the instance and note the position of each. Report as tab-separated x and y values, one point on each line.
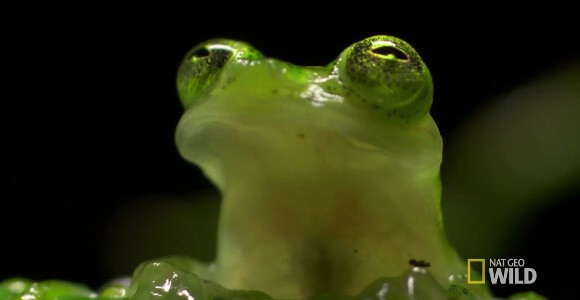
209	57
389	52
199	53
202	66
386	74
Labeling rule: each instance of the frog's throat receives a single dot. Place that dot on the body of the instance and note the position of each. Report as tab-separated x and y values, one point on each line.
299	180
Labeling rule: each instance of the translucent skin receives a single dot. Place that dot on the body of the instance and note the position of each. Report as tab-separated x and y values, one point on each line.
330	175
330	183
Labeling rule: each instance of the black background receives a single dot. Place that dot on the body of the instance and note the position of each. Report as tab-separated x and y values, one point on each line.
89	107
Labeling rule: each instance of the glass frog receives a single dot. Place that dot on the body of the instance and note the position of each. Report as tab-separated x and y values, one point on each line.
329	177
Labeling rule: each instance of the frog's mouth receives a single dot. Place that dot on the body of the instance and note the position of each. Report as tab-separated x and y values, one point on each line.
293	135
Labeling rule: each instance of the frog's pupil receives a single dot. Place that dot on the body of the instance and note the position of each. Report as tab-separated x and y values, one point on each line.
199	53
386	51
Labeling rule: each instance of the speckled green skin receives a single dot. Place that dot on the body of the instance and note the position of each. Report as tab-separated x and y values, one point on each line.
330	175
389	76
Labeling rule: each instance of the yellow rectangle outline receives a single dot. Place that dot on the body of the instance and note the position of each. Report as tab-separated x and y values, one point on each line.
482	261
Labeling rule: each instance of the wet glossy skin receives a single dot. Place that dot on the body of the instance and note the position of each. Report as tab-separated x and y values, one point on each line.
330	175
330	179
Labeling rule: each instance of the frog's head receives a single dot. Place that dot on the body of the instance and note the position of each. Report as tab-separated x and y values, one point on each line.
316	146
380	73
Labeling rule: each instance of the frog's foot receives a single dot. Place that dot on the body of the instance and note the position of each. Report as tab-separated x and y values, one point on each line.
185	264
170	278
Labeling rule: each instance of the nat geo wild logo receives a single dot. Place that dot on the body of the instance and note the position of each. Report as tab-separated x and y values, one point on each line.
500	271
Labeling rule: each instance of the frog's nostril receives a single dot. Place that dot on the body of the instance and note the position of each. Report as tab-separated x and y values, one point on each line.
387	51
199	53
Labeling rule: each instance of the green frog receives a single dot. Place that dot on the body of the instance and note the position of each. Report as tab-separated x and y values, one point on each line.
329	175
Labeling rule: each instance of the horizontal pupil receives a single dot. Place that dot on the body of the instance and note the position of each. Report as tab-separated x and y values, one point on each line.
385	50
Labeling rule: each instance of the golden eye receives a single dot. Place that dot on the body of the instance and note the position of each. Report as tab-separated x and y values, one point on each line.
389	52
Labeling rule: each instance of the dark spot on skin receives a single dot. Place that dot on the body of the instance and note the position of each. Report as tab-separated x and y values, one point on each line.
457	290
347	91
376	106
229	81
355	250
301	136
419	263
274	91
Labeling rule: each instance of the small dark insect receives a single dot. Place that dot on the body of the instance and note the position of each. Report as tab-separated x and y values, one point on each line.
419	263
